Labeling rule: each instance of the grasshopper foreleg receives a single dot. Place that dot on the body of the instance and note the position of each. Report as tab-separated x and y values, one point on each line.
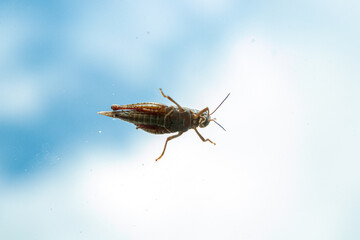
168	139
202	138
172	100
201	112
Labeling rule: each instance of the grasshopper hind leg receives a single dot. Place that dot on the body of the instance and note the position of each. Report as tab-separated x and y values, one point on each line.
172	100
115	107
168	139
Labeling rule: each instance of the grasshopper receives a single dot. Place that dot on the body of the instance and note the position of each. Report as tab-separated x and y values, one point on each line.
157	118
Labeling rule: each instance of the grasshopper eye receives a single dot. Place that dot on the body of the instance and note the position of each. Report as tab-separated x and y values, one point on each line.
204	120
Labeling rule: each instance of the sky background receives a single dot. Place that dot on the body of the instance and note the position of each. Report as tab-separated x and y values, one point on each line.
286	168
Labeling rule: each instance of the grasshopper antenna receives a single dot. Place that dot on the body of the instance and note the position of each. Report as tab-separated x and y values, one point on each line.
217	109
217	123
219	106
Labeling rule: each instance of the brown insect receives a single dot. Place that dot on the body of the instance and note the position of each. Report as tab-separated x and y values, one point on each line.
157	118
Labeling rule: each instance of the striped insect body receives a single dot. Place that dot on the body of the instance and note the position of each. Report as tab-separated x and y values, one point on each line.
157	118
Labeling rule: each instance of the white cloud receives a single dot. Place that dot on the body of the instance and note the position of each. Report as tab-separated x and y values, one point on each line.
194	192
20	100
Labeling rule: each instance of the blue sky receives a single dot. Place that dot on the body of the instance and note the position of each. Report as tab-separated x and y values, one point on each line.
286	168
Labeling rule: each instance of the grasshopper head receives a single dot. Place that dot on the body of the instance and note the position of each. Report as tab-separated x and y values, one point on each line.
204	119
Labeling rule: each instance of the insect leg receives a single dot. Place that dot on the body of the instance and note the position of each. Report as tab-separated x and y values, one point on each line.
168	139
180	108
201	112
202	138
